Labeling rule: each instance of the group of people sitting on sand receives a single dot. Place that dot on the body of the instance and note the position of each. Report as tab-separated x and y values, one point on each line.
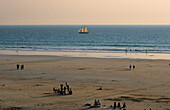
64	90
130	66
118	106
115	105
22	67
96	103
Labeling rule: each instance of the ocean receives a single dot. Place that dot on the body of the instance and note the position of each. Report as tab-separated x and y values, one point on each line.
101	38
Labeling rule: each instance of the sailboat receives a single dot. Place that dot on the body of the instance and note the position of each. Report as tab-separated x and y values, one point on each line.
83	30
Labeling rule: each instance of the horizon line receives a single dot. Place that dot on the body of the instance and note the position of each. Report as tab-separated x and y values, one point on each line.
81	24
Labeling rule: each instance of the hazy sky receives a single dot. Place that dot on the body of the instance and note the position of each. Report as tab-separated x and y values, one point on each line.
84	12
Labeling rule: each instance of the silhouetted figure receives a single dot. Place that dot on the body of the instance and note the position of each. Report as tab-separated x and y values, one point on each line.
61	87
17	66
54	89
98	102
130	66
118	105
133	66
70	92
64	90
126	51
68	88
67	85
100	88
95	102
114	106
124	105
61	92
22	67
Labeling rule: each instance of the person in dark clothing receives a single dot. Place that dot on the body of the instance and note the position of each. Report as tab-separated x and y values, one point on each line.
130	66
17	66
124	105
67	85
68	88
118	105
61	87
133	66
22	67
70	92
114	106
54	89
61	92
95	102
64	90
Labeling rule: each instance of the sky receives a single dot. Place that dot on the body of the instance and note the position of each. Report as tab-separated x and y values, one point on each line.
84	12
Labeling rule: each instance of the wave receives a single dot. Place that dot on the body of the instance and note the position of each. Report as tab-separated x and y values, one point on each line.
86	49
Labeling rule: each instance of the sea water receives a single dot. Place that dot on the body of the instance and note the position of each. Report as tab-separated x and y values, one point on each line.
101	38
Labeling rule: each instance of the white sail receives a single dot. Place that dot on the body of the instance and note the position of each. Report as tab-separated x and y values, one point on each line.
79	30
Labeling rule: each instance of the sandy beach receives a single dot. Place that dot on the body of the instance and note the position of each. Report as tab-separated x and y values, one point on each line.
147	86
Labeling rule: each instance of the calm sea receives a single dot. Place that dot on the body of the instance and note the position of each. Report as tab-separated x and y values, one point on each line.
101	38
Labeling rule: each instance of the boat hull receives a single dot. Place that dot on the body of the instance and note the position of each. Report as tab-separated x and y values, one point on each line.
83	32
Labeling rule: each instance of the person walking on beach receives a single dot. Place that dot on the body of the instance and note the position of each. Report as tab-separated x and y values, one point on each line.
133	66
22	67
130	66
17	66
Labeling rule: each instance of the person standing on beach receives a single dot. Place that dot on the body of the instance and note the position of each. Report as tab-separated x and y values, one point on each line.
61	92
67	85
64	90
17	66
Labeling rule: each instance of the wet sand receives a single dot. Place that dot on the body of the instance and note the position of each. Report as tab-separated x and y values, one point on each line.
119	55
146	86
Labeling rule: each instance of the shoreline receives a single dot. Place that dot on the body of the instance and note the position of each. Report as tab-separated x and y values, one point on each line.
151	56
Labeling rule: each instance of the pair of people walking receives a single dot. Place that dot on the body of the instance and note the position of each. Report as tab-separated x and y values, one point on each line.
130	66
119	106
18	66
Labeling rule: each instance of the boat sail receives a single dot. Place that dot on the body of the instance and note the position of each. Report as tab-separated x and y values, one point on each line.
83	30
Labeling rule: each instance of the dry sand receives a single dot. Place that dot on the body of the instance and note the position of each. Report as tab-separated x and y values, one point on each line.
147	86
